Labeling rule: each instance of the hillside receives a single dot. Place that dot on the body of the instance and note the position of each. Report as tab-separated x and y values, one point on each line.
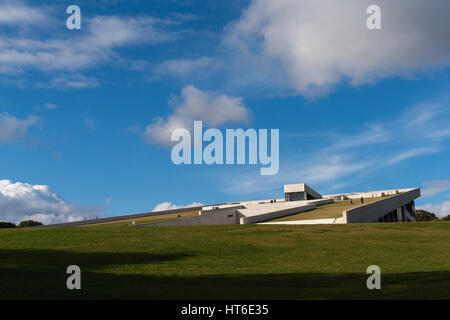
234	261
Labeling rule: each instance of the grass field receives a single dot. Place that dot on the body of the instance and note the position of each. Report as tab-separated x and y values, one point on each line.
325	211
234	261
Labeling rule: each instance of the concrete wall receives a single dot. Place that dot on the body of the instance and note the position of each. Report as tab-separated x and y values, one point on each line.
314	221
301	187
369	194
312	192
373	211
244	215
221	216
319	202
242	203
276	214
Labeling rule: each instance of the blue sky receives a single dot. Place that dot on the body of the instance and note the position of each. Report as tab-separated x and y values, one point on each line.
85	114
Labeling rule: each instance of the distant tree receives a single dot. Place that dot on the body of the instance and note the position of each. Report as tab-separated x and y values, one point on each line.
423	215
447	218
7	225
29	223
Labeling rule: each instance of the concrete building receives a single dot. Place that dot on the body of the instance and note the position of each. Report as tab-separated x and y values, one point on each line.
300	191
396	205
300	205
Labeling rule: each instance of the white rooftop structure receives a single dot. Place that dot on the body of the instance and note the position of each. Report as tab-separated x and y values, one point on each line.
300	191
390	205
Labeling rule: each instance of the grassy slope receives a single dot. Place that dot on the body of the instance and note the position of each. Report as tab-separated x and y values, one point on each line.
331	210
236	261
151	219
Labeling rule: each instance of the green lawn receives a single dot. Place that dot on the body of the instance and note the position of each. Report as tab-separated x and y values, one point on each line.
151	219
235	261
325	211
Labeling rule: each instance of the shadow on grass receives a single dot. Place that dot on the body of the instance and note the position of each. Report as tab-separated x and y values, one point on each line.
53	258
41	274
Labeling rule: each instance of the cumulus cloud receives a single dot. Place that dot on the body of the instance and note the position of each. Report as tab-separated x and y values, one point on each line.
212	108
22	201
440	210
169	206
434	187
12	128
319	44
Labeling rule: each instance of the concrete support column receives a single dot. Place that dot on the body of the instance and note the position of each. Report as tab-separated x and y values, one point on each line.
399	214
408	216
413	207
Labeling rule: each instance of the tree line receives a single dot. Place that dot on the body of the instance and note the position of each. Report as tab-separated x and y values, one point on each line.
22	224
423	215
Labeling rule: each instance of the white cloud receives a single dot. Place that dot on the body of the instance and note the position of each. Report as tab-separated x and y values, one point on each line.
331	168
117	31
319	44
71	81
212	108
440	134
12	128
169	206
98	42
22	201
19	14
373	134
188	67
405	155
426	113
434	187
318	169
160	130
338	159
440	210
